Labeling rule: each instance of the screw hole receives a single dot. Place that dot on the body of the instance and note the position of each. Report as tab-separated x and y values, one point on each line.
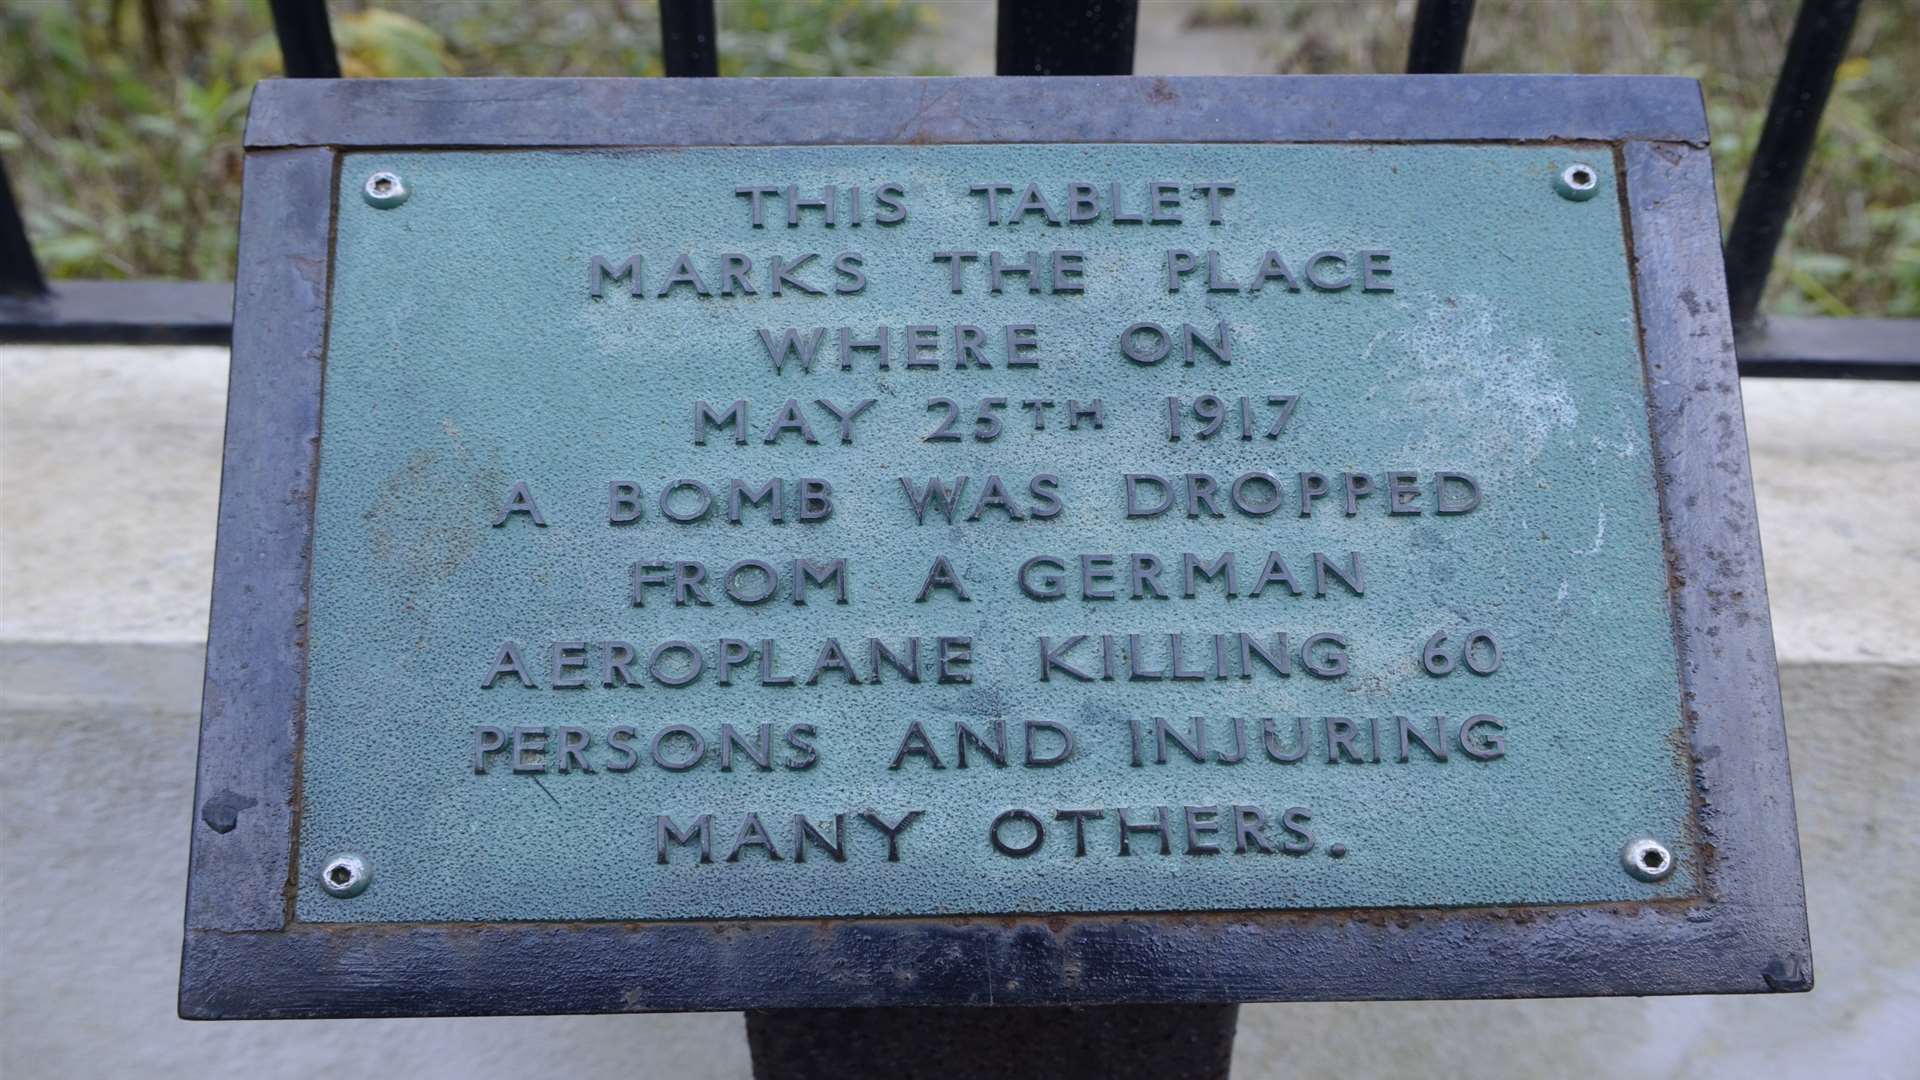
382	186
1647	859
340	875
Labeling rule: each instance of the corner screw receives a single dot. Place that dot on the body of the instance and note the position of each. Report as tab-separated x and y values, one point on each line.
1647	859
1577	182
345	876
384	190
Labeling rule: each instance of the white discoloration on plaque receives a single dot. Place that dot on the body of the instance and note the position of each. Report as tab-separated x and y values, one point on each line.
1599	535
1464	360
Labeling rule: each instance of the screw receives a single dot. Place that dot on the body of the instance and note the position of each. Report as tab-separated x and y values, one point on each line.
384	190
1647	859
346	876
1577	182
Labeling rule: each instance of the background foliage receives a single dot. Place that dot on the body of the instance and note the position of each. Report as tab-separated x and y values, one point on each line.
120	119
1853	247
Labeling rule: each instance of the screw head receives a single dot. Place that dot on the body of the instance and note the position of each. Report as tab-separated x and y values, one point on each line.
1578	182
345	876
384	190
1647	859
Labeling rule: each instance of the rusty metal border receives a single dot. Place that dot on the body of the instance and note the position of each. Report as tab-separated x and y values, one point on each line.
245	957
607	113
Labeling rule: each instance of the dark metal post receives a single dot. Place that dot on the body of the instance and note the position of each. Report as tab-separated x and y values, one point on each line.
1819	43
19	270
1439	37
306	39
687	38
1115	1042
1087	37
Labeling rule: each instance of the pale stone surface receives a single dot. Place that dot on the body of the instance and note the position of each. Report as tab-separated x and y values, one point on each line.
1856	793
110	458
1833	469
96	794
109	465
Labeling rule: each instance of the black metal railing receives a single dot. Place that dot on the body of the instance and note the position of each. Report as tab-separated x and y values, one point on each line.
689	39
306	39
1439	42
1814	53
19	270
1089	37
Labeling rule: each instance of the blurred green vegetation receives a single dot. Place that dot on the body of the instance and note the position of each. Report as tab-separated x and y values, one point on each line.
120	119
1853	246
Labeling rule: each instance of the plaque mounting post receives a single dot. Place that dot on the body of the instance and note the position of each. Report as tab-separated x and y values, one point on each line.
1162	1042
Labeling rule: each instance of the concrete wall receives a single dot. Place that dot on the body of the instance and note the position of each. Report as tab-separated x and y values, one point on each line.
109	468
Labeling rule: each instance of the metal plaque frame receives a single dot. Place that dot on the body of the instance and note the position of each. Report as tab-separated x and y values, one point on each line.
245	955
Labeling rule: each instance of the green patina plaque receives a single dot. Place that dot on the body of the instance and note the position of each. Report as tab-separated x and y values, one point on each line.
942	530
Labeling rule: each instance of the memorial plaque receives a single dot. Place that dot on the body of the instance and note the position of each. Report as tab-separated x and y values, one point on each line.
766	543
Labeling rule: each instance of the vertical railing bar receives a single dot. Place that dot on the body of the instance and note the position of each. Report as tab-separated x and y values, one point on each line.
306	39
19	270
688	48
1814	52
1088	37
1439	42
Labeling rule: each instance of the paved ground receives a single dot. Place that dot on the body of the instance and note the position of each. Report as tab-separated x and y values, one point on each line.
108	480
